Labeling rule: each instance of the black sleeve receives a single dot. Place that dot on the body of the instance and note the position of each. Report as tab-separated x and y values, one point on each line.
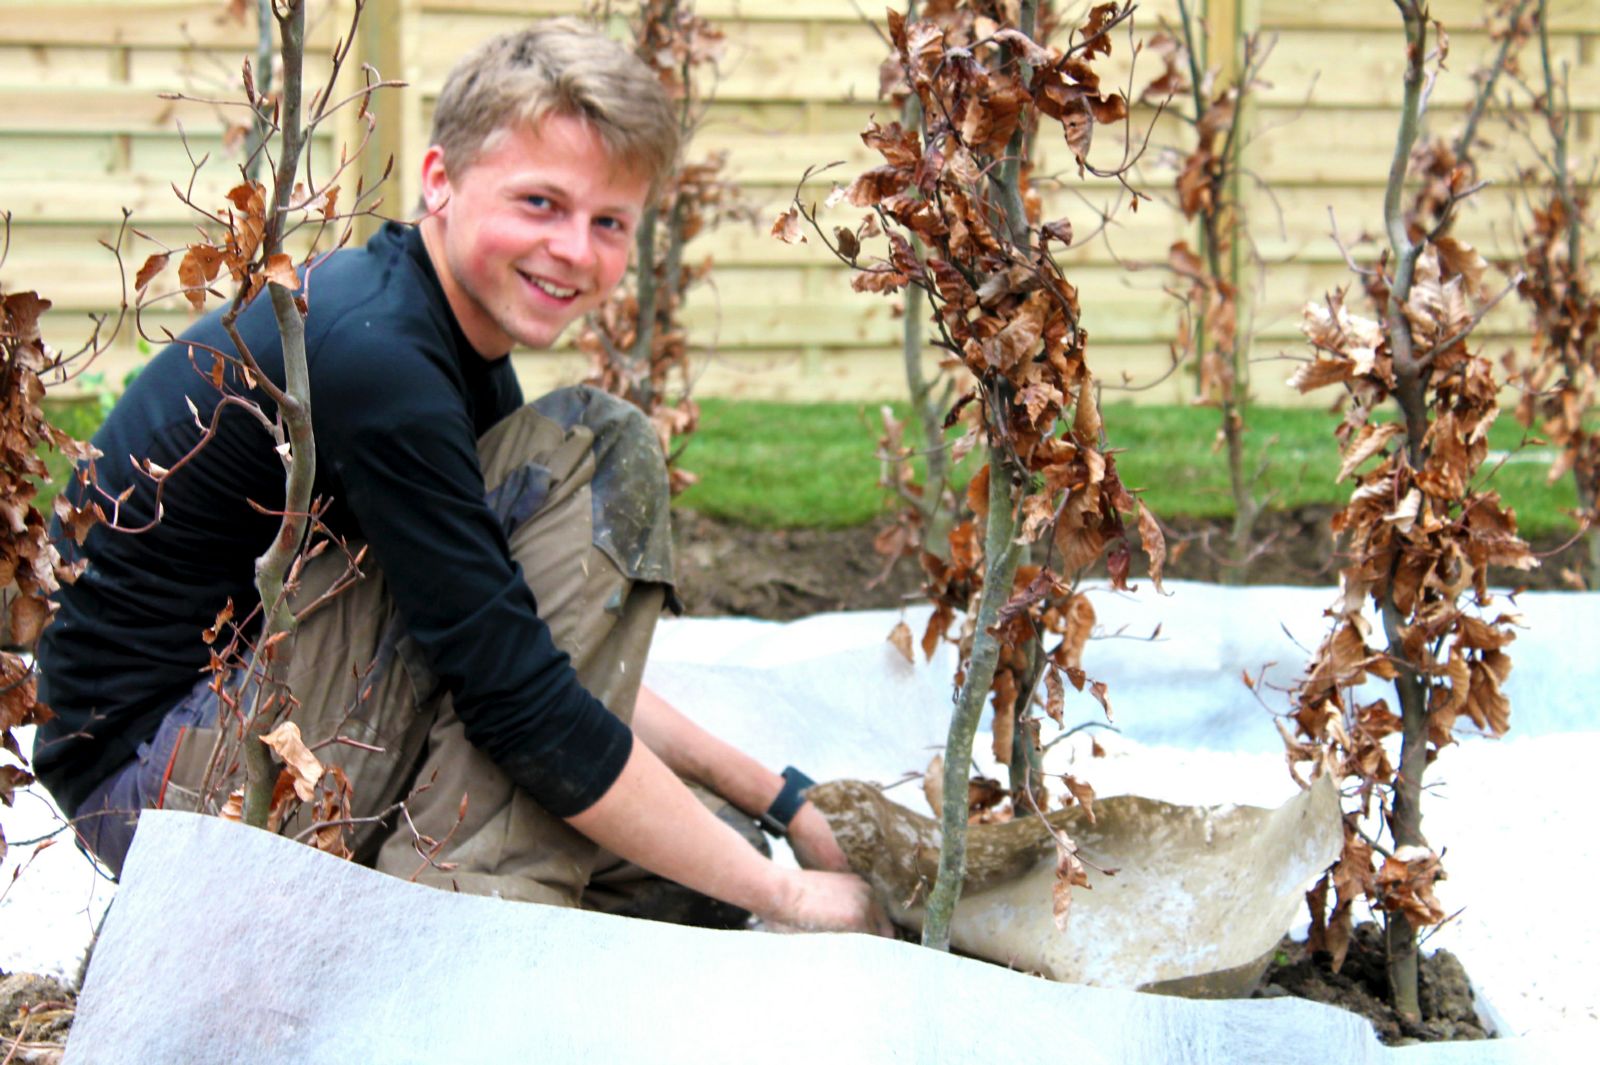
401	441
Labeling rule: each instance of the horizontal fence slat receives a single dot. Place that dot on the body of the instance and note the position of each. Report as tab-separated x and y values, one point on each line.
152	24
1350	68
733	10
1456	15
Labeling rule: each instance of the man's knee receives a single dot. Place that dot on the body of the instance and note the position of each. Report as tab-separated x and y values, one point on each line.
632	516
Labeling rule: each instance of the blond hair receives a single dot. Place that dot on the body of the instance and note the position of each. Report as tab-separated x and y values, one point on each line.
561	67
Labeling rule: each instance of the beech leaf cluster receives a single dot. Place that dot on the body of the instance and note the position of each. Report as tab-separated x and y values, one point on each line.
28	559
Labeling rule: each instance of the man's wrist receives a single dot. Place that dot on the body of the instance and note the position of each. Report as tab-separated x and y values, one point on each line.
776	818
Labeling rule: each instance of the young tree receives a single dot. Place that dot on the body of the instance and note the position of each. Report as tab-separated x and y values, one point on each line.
1211	93
1558	379
1001	305
637	344
249	239
1420	532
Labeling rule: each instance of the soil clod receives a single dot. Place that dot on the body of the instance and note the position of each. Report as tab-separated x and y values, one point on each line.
1362	986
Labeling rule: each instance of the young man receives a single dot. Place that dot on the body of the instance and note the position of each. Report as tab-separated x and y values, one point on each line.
488	661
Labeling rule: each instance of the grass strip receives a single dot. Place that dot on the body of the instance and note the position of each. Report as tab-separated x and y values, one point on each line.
791	465
814	465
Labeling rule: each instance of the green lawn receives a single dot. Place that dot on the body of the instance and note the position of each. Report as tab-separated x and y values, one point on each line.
779	464
813	464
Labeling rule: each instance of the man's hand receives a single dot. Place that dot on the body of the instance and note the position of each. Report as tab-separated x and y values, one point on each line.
813	843
828	902
648	817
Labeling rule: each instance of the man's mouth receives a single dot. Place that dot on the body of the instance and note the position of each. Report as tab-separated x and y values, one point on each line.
550	288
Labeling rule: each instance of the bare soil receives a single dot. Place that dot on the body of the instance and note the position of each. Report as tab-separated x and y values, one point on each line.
1361	986
783	574
35	1016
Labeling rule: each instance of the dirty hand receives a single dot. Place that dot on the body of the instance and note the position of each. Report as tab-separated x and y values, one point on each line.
813	844
828	902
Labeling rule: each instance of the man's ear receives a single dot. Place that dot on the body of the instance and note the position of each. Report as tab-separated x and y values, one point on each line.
435	180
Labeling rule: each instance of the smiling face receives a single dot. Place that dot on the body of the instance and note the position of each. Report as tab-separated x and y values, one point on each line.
531	235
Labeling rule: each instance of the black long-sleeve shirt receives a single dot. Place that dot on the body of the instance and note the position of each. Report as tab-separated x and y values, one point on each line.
399	398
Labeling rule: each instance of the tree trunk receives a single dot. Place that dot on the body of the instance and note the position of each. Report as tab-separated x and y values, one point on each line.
1405	818
294	409
1001	556
1411	392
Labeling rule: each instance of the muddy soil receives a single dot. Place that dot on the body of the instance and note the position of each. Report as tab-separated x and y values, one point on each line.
1361	986
35	1016
783	574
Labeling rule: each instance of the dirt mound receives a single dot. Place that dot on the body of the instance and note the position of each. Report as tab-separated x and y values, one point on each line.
784	574
1362	986
35	1016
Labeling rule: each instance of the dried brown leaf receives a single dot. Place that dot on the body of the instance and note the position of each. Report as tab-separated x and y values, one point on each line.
1080	619
1405	884
1083	792
878	279
938	624
11	778
877	185
898	146
1059	230
849	246
1031	51
152	266
21	315
1368	442
298	760
197	269
787	227
900	640
1086	423
978	493
1055	695
1155	543
1069	874
1003	729
28	615
279	270
1100	692
1036	515
1457	258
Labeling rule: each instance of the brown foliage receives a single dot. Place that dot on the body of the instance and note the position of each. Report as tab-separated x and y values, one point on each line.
637	346
30	567
1558	381
1419	534
1003	312
1206	174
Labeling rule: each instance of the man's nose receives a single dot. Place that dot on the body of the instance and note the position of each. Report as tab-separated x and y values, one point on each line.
573	241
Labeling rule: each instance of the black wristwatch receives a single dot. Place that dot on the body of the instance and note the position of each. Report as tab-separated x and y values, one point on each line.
776	820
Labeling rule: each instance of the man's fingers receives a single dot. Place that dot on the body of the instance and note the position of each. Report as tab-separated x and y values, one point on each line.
876	917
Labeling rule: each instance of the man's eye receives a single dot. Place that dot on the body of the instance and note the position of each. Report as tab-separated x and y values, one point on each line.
615	225
541	202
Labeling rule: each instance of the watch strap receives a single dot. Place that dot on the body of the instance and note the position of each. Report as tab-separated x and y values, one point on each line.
777	816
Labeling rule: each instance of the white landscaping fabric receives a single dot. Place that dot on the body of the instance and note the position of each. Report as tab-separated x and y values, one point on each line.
231	946
830	695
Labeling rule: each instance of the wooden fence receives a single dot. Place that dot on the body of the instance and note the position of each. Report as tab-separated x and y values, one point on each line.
83	134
